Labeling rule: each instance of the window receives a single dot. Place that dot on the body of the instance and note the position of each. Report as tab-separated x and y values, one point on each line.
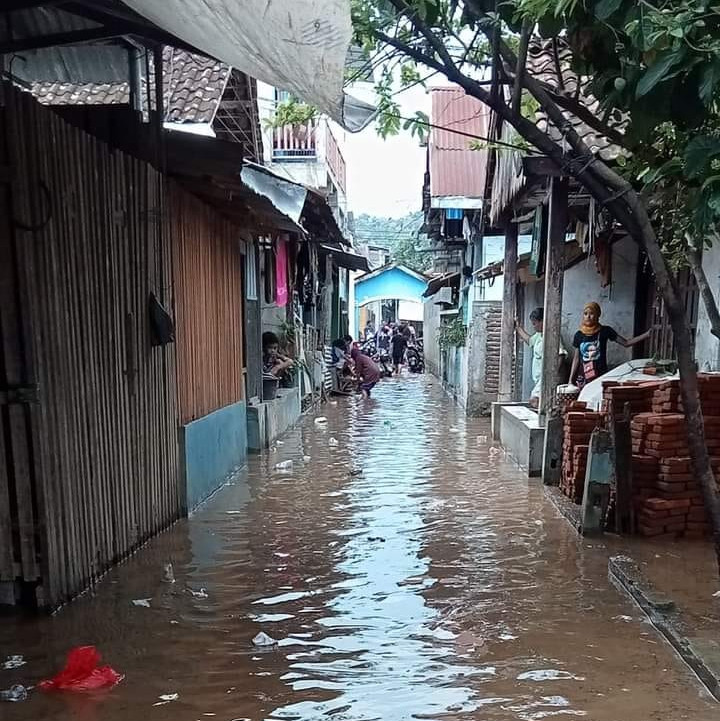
251	289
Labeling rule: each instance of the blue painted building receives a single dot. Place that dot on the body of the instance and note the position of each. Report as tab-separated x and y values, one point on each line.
391	293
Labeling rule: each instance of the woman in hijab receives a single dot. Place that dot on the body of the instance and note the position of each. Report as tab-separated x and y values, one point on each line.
590	341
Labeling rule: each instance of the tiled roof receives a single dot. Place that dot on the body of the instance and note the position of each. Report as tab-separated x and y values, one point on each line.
455	169
194	86
543	67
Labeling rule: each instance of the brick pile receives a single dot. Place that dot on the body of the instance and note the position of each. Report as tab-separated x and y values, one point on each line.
638	394
667	496
579	425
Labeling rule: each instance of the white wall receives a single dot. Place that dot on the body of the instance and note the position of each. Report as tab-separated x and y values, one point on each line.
581	285
707	346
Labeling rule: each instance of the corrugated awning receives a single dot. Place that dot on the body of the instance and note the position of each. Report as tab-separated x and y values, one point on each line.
443	281
296	45
346	259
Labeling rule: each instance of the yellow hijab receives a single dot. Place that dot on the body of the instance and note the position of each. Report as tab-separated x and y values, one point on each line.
591	329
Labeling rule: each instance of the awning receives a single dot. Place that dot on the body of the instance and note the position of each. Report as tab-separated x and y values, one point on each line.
449	280
346	259
296	45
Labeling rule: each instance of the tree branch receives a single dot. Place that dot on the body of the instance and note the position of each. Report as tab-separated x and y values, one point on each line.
520	66
705	290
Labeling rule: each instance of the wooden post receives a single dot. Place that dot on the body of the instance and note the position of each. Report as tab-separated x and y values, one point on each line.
552	322
507	331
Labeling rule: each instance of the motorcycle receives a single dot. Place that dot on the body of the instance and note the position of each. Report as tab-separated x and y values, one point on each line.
414	357
381	356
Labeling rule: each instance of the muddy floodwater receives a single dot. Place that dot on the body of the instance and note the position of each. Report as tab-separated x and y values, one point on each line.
407	571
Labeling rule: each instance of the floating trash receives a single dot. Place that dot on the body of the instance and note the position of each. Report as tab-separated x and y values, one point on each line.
15	693
333	442
321	421
144	602
549	674
202	593
262	639
167	698
82	673
284	466
307	459
13	662
168	573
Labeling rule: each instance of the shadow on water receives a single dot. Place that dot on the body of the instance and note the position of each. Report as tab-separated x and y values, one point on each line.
407	571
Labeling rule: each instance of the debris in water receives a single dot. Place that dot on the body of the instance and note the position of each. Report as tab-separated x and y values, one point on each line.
356	472
333	442
262	639
321	421
82	673
144	602
627	619
167	698
14	694
549	674
333	403
202	593
168	573
280	443
716	594
507	637
482	439
284	466
307	459
13	662
377	538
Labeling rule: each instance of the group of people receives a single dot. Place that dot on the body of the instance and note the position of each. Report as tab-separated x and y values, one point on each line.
393	339
590	348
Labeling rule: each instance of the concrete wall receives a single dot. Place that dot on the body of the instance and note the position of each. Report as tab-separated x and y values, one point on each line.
483	357
707	346
582	284
268	420
431	325
212	449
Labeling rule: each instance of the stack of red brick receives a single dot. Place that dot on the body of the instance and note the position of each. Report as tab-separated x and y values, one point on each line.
667	496
668	499
579	425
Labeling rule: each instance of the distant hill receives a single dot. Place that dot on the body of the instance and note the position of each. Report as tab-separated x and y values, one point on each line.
401	236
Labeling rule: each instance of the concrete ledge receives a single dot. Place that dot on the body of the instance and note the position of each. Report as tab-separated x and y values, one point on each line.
701	654
522	436
268	420
495	408
213	448
568	509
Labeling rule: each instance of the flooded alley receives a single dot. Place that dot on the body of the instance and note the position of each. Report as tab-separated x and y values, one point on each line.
407	571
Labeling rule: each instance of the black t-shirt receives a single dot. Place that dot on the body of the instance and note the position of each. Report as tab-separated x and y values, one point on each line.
399	344
593	352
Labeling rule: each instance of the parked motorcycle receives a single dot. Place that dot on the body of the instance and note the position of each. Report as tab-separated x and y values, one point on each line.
381	357
414	357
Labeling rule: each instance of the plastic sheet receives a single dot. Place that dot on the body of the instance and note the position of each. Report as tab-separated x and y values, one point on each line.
82	673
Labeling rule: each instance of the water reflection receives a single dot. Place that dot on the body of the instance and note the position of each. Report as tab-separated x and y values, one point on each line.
407	572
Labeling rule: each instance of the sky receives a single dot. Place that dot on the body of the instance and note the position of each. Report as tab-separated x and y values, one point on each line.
385	177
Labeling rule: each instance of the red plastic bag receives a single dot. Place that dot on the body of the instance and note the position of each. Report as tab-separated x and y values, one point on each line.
81	673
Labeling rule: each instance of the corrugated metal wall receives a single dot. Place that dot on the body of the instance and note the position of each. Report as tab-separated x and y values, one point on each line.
207	263
90	471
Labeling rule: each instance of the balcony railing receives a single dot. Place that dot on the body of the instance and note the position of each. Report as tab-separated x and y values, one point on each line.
295	141
335	160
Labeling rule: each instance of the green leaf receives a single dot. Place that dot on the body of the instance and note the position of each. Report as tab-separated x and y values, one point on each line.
605	8
657	72
709	81
710	181
698	154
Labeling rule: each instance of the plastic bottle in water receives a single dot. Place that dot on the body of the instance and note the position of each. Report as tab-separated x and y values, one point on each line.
14	693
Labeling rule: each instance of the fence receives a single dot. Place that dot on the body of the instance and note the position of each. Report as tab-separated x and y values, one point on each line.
207	265
88	454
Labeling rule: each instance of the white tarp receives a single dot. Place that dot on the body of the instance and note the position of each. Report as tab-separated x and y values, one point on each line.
631	371
295	45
